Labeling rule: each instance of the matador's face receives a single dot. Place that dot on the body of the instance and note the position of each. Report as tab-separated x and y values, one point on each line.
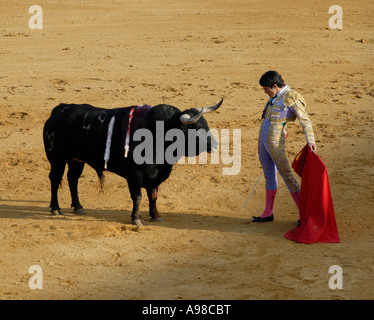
271	91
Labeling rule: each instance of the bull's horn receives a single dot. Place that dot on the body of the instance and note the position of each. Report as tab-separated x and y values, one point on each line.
186	118
212	108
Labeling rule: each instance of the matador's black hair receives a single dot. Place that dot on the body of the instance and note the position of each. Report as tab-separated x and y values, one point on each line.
270	78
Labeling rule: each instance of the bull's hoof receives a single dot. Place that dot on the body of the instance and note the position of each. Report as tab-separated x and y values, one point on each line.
57	212
158	219
137	222
79	211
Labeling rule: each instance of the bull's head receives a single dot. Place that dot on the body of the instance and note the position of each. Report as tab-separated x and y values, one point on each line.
193	119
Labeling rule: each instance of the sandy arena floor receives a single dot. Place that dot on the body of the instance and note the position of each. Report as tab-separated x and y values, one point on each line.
187	54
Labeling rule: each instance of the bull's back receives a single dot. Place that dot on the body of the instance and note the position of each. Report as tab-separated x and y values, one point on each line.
74	129
69	114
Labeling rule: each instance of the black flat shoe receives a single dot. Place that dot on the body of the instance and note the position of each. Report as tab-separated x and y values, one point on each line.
267	219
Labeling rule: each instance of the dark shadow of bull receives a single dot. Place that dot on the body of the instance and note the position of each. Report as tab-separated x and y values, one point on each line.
104	139
36	211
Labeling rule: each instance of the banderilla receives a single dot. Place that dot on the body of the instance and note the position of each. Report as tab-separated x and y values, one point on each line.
254	187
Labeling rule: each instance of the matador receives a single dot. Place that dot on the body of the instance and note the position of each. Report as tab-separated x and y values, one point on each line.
284	105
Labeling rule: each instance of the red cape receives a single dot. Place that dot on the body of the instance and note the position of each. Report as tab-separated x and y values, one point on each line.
317	216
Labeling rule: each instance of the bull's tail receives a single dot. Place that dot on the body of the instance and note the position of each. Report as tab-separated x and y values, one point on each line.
101	176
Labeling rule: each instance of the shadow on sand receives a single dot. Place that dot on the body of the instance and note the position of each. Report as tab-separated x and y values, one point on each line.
31	209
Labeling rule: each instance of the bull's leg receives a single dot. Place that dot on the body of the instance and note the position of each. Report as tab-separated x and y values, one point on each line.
136	197
55	176
74	172
135	182
152	197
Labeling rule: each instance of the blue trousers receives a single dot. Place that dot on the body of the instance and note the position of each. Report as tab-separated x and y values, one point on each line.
273	156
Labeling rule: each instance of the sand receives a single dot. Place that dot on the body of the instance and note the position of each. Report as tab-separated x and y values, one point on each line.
187	54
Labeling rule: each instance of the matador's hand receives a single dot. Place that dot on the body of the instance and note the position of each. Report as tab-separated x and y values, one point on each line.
313	147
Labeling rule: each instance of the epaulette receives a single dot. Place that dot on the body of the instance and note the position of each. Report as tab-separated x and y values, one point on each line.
291	97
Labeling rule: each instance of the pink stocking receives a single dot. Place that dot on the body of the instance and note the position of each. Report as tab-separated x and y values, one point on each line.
270	197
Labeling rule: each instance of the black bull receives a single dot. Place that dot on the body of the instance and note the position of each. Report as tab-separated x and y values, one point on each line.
79	134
